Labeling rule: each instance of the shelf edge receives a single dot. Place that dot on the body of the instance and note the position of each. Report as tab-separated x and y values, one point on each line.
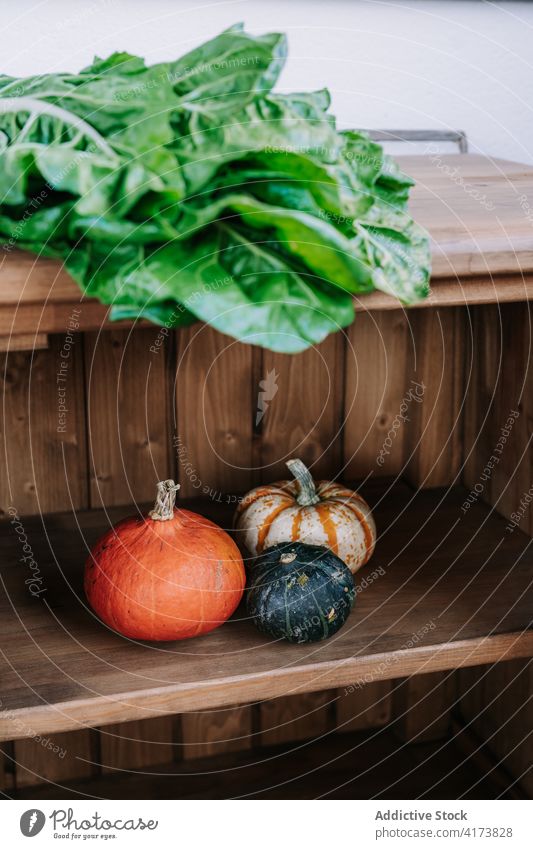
99	711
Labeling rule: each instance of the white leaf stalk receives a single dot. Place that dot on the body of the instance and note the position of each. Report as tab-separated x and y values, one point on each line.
36	107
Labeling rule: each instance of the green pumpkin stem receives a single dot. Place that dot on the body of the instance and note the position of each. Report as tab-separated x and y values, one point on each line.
288	557
307	494
165	501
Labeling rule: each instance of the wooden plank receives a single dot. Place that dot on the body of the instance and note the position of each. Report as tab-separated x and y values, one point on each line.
479	167
451	593
191	697
482	414
134	745
439	357
422	706
474	747
45	470
364	706
377	404
216	732
7	770
403	409
27	278
305	717
379	396
499	461
51	317
299	413
454	291
497	704
213	448
127	408
29	342
213	443
340	766
438	362
479	256
58	758
509	420
304	418
43	444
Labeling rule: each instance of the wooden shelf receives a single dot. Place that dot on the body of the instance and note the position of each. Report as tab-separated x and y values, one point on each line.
482	248
339	766
445	590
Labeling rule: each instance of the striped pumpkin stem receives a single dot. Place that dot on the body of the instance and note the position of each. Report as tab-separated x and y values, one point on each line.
307	490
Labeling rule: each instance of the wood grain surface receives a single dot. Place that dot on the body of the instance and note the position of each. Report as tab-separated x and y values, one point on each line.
127	401
360	765
438	360
213	446
213	732
377	383
497	703
127	413
44	469
365	706
44	464
305	419
134	745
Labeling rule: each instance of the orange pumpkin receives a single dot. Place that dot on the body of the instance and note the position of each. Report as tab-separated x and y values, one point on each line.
166	576
325	513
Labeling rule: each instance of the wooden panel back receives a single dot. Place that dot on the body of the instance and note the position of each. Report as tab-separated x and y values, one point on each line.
128	409
43	433
376	395
438	361
498	432
214	732
212	439
333	406
45	470
129	406
135	745
499	471
213	444
299	413
497	702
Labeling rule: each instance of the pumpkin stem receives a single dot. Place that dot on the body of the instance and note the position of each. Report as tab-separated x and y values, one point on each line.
307	494
288	557
164	503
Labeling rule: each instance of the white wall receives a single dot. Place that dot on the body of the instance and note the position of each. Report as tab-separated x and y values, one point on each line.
427	63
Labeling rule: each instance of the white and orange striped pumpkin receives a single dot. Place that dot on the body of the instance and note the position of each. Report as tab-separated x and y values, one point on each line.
324	513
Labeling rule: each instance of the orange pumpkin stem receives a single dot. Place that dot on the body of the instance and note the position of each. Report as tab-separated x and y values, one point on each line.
307	494
165	501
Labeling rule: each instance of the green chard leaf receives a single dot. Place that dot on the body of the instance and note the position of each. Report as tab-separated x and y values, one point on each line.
189	190
228	72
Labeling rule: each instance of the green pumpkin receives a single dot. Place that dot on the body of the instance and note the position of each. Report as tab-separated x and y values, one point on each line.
302	593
